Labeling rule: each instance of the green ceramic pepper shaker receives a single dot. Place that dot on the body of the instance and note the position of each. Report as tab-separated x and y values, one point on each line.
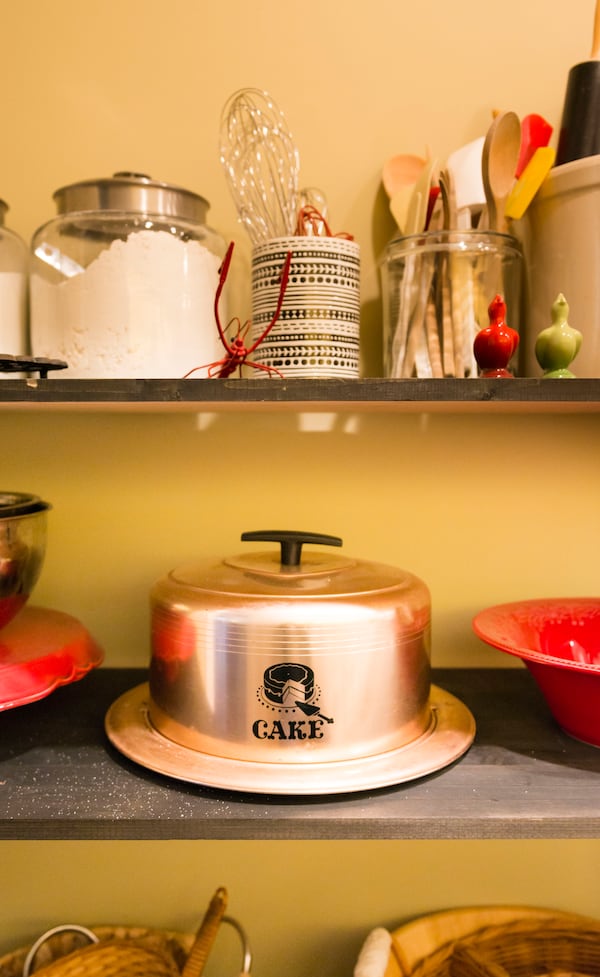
558	345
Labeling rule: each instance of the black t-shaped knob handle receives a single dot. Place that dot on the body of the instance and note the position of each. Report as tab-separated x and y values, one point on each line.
291	542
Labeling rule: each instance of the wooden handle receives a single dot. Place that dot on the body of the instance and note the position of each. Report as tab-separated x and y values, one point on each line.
206	935
595	52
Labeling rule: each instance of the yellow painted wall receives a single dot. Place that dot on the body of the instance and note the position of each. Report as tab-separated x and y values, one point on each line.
484	508
307	906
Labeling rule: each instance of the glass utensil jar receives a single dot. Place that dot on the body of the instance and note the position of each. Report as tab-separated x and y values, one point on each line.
123	281
437	288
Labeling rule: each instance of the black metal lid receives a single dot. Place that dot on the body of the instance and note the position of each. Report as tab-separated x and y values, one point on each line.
13	504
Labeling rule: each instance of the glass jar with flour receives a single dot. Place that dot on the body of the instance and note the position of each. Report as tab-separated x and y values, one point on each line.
123	280
13	290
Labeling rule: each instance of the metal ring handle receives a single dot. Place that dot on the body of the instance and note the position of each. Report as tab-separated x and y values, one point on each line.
65	928
247	952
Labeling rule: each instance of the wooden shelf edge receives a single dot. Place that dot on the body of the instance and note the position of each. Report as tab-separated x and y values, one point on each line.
343	829
302	395
522	779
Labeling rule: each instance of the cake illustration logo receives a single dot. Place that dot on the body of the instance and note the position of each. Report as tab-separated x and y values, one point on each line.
290	694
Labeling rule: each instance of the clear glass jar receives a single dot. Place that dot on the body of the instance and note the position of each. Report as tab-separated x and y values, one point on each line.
14	260
123	281
436	291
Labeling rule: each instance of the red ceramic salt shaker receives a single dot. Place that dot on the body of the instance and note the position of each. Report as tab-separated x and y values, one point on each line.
495	345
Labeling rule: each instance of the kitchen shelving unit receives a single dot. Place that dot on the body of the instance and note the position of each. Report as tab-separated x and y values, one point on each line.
522	778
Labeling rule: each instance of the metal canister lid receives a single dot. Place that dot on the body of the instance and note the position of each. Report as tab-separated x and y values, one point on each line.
15	504
133	193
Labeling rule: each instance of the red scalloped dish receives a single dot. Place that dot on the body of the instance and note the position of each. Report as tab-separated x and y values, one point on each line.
41	649
558	639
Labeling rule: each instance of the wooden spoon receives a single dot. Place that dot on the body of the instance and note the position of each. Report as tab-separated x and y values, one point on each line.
498	165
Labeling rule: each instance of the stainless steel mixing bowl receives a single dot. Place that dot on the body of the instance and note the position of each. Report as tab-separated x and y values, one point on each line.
22	549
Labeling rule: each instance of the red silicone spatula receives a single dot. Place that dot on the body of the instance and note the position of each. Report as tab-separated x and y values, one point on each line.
535	132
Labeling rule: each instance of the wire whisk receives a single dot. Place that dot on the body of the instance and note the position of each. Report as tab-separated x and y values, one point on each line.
261	164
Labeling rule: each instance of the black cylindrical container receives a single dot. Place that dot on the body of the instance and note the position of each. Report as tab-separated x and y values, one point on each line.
579	134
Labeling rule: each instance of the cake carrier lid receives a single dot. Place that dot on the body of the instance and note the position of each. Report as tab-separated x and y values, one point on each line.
292	572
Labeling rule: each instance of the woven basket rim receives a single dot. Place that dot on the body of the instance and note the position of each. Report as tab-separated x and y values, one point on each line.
427	933
528	941
11	963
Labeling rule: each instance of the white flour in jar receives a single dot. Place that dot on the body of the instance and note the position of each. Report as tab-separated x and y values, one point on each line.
142	308
13	332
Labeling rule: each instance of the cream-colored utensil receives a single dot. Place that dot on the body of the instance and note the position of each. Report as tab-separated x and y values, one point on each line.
415	304
450	328
399	205
464	167
499	161
458	313
374	954
419	200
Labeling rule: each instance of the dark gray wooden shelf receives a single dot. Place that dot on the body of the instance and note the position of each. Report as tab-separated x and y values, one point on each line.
522	778
297	394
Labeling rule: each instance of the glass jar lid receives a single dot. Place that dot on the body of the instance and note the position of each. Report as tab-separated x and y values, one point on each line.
133	193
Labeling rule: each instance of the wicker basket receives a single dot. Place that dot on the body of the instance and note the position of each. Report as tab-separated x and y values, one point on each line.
75	951
113	958
524	949
524	946
149	945
486	941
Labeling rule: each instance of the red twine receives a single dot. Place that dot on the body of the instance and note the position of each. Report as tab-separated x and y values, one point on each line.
312	223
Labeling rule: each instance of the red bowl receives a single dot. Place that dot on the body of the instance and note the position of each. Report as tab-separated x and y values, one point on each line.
558	639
